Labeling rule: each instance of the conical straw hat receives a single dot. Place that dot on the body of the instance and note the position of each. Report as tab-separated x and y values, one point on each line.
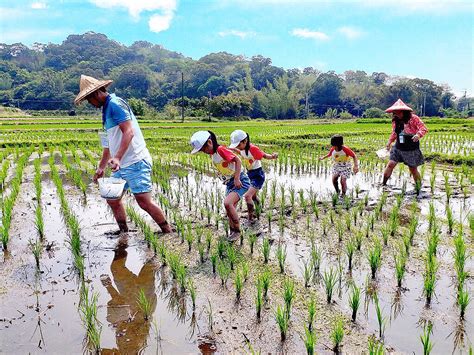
88	85
399	106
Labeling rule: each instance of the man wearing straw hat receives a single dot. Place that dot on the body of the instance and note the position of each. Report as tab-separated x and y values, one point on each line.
124	150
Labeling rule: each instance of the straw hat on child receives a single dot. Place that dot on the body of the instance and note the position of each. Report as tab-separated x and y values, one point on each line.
88	85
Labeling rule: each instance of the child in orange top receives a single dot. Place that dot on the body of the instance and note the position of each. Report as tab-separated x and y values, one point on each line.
251	157
229	169
342	167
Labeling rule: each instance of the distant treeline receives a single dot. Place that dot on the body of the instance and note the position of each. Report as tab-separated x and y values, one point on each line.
153	79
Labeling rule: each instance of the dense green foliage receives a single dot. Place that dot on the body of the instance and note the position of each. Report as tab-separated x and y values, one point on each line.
46	77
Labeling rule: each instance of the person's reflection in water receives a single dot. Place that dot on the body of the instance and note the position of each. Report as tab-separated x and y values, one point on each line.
123	313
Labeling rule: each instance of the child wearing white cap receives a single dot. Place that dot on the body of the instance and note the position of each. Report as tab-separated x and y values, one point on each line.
229	168
251	157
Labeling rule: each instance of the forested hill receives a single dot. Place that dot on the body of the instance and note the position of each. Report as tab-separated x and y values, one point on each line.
46	77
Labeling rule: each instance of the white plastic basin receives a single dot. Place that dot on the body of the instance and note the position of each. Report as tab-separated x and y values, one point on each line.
111	188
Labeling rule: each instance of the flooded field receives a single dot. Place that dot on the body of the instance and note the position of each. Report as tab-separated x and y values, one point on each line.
71	281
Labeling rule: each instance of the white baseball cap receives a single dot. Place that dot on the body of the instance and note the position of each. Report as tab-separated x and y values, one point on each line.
198	140
236	137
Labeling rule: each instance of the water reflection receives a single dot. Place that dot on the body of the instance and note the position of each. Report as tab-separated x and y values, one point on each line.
123	313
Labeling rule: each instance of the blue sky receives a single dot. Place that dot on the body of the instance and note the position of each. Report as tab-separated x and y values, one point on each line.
414	38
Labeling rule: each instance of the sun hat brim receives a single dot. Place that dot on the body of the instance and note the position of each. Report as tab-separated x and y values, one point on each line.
234	145
84	93
196	150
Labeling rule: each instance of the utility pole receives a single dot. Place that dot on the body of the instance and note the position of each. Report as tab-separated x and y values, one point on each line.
307	106
209	105
182	97
424	104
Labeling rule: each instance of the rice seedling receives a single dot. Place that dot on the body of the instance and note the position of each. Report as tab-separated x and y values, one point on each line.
265	277
400	260
259	298
431	216
182	277
334	199
201	249
239	283
269	219
192	292
354	301
350	249
429	281
266	250
460	258
381	320
332	216
36	249
208	240
223	269
340	229
311	313
144	304
385	231
316	257
337	335
463	301
374	346
221	248
281	223
307	272
288	294
329	280
425	339
324	226
88	314
432	181
162	252
189	239
450	218
214	258
309	341
358	236
282	321
394	223
281	256
231	255
375	257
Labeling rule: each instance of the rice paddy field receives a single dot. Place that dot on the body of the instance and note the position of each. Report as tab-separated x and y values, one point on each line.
383	270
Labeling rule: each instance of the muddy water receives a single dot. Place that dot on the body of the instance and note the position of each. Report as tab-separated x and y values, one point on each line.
39	312
405	309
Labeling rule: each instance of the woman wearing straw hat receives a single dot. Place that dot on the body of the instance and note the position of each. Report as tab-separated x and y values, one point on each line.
407	130
124	150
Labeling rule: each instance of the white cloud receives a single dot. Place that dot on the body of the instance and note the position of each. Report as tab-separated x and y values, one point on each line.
350	32
39	5
236	33
160	20
398	7
309	34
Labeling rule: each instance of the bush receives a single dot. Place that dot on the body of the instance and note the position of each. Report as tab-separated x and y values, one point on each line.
344	115
138	106
375	112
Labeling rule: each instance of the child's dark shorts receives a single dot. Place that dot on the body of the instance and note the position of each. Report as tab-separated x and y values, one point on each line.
257	178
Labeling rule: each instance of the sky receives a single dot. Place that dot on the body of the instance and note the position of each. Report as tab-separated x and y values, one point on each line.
412	38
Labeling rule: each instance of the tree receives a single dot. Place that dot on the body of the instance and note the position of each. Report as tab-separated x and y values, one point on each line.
325	93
